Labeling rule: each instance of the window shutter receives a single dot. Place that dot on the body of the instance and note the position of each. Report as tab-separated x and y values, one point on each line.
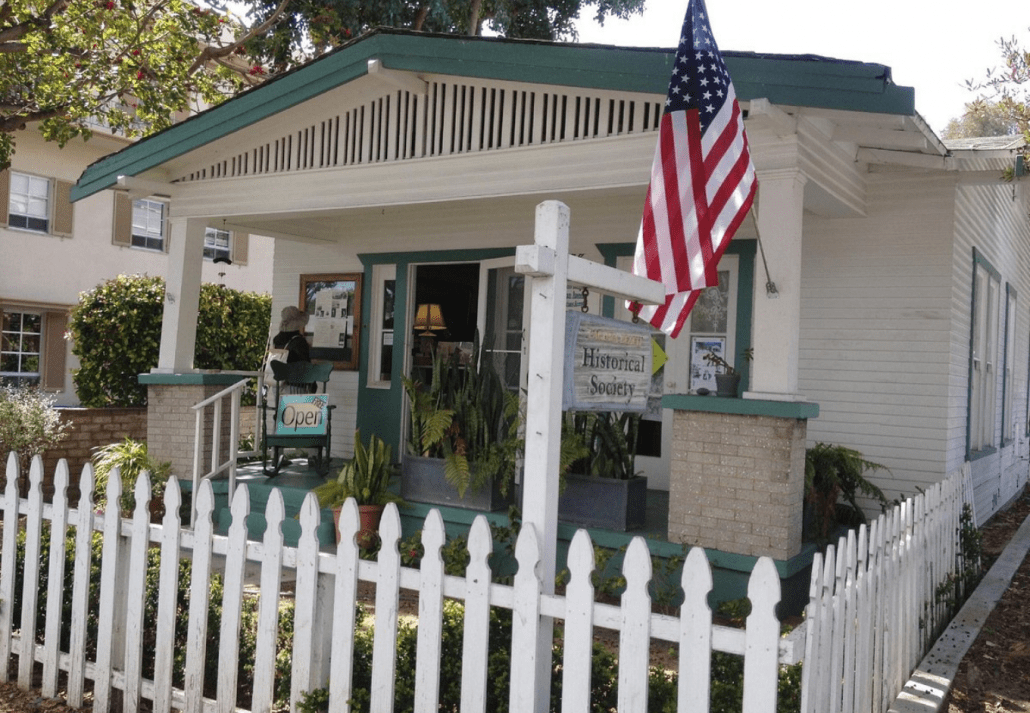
239	246
122	231
5	195
55	351
63	211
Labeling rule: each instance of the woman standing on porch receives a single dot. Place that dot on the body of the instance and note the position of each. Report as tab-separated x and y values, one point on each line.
291	335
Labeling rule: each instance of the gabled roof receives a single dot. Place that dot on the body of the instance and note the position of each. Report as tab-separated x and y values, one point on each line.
797	80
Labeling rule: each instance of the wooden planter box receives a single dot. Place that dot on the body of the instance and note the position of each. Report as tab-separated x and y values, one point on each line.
605	503
423	481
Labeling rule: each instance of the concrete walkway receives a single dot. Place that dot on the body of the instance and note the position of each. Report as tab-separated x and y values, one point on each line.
930	683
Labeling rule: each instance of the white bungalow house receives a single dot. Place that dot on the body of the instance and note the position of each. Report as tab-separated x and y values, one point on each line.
52	250
407	167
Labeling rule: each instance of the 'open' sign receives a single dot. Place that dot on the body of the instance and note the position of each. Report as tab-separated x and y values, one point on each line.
302	415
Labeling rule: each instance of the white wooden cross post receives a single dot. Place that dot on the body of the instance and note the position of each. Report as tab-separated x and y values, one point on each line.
551	267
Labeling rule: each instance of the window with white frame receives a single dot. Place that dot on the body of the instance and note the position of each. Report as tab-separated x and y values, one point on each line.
380	359
21	339
216	244
1008	415
983	370
148	224
29	206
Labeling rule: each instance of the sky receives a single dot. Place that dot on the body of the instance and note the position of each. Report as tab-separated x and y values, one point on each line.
930	48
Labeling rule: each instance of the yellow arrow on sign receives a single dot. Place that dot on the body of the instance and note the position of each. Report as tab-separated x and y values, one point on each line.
658	356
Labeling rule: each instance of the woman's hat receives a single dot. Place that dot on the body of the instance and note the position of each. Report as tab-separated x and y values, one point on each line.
293	320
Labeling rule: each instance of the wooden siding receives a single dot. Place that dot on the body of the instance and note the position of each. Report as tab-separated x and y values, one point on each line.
992	219
876	329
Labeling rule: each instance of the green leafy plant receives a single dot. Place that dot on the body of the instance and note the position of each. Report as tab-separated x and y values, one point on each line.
609	443
132	458
834	479
366	477
29	423
466	416
116	332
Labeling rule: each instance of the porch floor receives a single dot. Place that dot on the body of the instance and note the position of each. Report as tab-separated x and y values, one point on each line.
296	480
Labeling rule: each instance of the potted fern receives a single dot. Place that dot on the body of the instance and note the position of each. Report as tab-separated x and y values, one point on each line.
598	466
464	439
366	478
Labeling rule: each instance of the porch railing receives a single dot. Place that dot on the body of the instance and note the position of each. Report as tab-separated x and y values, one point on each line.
234	394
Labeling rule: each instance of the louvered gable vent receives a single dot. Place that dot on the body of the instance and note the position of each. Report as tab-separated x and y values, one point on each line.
452	118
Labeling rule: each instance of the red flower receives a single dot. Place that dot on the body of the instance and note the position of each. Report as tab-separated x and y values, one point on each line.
139	74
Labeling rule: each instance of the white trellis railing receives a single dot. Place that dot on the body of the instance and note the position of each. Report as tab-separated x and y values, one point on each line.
325	596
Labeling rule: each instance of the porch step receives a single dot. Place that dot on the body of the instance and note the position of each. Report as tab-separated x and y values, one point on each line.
294	482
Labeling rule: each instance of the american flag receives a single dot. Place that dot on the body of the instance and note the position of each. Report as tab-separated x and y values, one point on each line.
702	179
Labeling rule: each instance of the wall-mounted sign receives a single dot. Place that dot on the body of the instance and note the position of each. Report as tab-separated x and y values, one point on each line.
302	415
607	364
702	374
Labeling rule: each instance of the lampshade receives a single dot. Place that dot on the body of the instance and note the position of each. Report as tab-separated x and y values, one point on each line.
428	318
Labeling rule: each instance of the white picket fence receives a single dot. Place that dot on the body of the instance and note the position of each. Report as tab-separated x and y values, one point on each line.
325	596
873	611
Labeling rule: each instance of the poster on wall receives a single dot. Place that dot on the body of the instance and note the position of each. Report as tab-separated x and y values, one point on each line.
702	374
333	306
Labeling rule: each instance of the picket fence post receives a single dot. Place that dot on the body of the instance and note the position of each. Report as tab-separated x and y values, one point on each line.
167	602
80	588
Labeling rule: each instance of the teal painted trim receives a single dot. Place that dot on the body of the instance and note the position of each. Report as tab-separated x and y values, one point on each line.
742	407
465	255
191	379
800	80
1010	296
978	261
611	252
983	453
745	251
379	410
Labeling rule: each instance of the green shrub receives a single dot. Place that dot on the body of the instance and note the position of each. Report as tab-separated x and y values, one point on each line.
116	328
248	628
29	424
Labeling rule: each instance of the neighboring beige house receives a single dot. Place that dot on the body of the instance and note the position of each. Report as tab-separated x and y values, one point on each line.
51	250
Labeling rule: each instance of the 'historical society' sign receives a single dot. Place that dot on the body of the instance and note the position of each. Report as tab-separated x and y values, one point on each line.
607	364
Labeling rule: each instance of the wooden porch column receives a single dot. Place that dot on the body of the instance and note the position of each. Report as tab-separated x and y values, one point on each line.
182	296
777	318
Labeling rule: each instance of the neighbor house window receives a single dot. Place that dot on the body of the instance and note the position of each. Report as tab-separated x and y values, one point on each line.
29	202
148	221
20	347
216	244
983	367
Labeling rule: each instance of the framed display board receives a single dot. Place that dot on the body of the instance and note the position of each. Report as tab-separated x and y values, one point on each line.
333	305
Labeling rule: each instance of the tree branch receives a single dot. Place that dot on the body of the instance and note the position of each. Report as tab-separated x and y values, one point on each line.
211	53
17	123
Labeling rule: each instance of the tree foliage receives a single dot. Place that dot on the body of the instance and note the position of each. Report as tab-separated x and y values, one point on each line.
135	66
130	65
1009	86
329	23
982	118
116	328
